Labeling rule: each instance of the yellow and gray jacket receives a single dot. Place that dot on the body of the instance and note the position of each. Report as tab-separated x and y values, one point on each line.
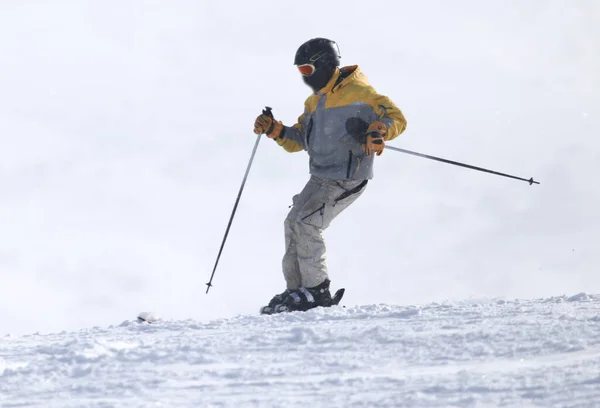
333	127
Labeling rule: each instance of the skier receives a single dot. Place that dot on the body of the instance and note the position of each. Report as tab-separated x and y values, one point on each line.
344	124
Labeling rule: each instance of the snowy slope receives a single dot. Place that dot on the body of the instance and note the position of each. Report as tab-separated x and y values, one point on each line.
543	352
126	127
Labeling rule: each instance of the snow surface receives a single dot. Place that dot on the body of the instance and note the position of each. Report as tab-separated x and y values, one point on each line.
521	353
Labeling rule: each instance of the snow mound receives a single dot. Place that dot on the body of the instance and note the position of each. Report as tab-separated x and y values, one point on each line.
472	353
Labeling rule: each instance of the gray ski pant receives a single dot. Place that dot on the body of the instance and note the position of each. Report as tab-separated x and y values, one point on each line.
312	211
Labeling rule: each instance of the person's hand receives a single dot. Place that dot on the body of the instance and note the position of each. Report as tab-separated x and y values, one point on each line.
266	124
375	142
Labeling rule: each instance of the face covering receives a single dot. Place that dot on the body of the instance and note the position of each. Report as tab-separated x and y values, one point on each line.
319	78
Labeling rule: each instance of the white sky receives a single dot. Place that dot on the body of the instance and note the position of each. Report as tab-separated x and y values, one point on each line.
126	127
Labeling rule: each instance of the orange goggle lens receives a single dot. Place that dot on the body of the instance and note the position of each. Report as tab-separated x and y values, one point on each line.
307	69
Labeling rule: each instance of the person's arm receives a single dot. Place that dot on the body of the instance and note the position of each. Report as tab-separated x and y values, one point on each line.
390	115
292	137
391	123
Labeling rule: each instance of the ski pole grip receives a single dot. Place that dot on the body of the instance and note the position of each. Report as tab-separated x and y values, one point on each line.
268	111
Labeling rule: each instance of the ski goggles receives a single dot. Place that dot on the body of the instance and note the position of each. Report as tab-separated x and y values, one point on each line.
307	69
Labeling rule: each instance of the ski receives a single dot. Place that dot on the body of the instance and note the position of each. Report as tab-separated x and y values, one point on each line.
335	300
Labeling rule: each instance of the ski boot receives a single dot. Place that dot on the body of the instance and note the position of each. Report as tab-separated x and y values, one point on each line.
303	299
276	303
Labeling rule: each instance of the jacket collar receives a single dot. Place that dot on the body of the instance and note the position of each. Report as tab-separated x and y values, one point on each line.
340	77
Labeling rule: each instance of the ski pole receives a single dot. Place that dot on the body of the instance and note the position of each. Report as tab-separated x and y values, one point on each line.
468	166
266	111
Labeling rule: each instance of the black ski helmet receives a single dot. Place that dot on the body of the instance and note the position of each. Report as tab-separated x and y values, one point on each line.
319	52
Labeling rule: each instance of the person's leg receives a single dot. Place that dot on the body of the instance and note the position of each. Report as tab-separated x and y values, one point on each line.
327	200
289	263
290	266
304	266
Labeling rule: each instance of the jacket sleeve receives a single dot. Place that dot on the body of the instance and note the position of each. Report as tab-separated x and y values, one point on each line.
293	137
390	114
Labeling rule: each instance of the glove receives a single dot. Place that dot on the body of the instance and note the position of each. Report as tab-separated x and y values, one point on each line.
375	134
268	125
